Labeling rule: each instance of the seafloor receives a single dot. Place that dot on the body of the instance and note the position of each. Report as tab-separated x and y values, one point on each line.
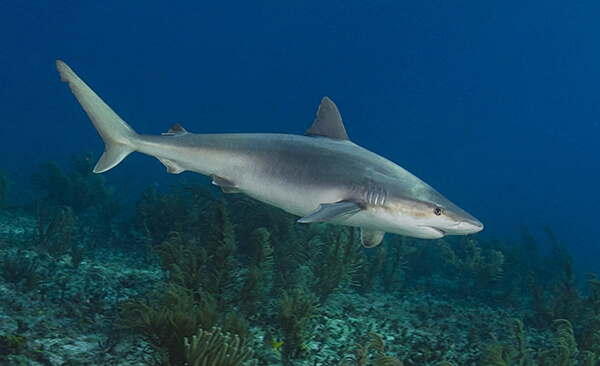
89	279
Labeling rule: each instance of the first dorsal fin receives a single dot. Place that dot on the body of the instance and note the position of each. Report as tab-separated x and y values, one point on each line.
328	122
175	130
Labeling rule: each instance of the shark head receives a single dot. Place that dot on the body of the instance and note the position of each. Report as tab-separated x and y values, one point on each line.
429	215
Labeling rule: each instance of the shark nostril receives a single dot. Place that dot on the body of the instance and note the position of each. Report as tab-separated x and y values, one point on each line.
471	226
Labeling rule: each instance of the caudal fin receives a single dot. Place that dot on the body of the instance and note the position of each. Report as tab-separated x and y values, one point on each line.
118	136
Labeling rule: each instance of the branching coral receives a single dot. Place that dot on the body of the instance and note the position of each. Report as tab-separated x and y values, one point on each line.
213	348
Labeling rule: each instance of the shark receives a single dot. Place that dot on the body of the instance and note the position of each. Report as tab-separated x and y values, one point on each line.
320	176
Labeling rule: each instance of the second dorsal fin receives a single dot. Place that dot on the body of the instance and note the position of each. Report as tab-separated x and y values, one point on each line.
328	122
175	130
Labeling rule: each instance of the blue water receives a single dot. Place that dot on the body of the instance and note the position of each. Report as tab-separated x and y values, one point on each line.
495	104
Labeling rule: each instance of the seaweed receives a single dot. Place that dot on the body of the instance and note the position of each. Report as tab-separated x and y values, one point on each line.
79	189
563	352
294	316
213	348
157	215
12	344
497	354
5	184
259	279
477	269
21	270
374	266
183	260
393	274
326	259
221	245
175	315
566	300
337	263
77	254
588	335
55	228
160	214
564	348
371	353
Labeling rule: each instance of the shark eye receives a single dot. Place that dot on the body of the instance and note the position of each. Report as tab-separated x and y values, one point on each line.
437	211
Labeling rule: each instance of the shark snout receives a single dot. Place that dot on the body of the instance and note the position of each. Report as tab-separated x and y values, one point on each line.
470	226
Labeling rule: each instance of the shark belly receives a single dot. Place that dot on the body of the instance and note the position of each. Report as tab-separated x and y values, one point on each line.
263	167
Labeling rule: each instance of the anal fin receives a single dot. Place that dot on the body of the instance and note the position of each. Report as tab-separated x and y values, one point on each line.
327	211
172	166
371	238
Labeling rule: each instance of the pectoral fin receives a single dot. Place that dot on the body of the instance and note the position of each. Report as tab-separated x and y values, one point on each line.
327	211
371	238
226	185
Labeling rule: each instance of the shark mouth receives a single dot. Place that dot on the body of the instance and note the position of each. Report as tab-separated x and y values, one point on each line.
441	232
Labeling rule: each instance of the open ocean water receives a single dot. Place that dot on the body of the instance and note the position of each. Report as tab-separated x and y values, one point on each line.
494	104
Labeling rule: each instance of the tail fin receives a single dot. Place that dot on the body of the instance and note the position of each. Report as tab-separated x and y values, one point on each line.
118	137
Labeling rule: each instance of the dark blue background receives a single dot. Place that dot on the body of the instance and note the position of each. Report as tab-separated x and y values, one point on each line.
495	104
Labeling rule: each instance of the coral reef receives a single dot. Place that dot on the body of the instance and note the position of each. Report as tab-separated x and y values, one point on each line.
79	285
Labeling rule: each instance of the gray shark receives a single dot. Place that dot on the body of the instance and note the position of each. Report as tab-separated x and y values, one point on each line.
321	177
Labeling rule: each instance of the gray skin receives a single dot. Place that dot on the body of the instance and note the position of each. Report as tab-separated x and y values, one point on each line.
322	177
